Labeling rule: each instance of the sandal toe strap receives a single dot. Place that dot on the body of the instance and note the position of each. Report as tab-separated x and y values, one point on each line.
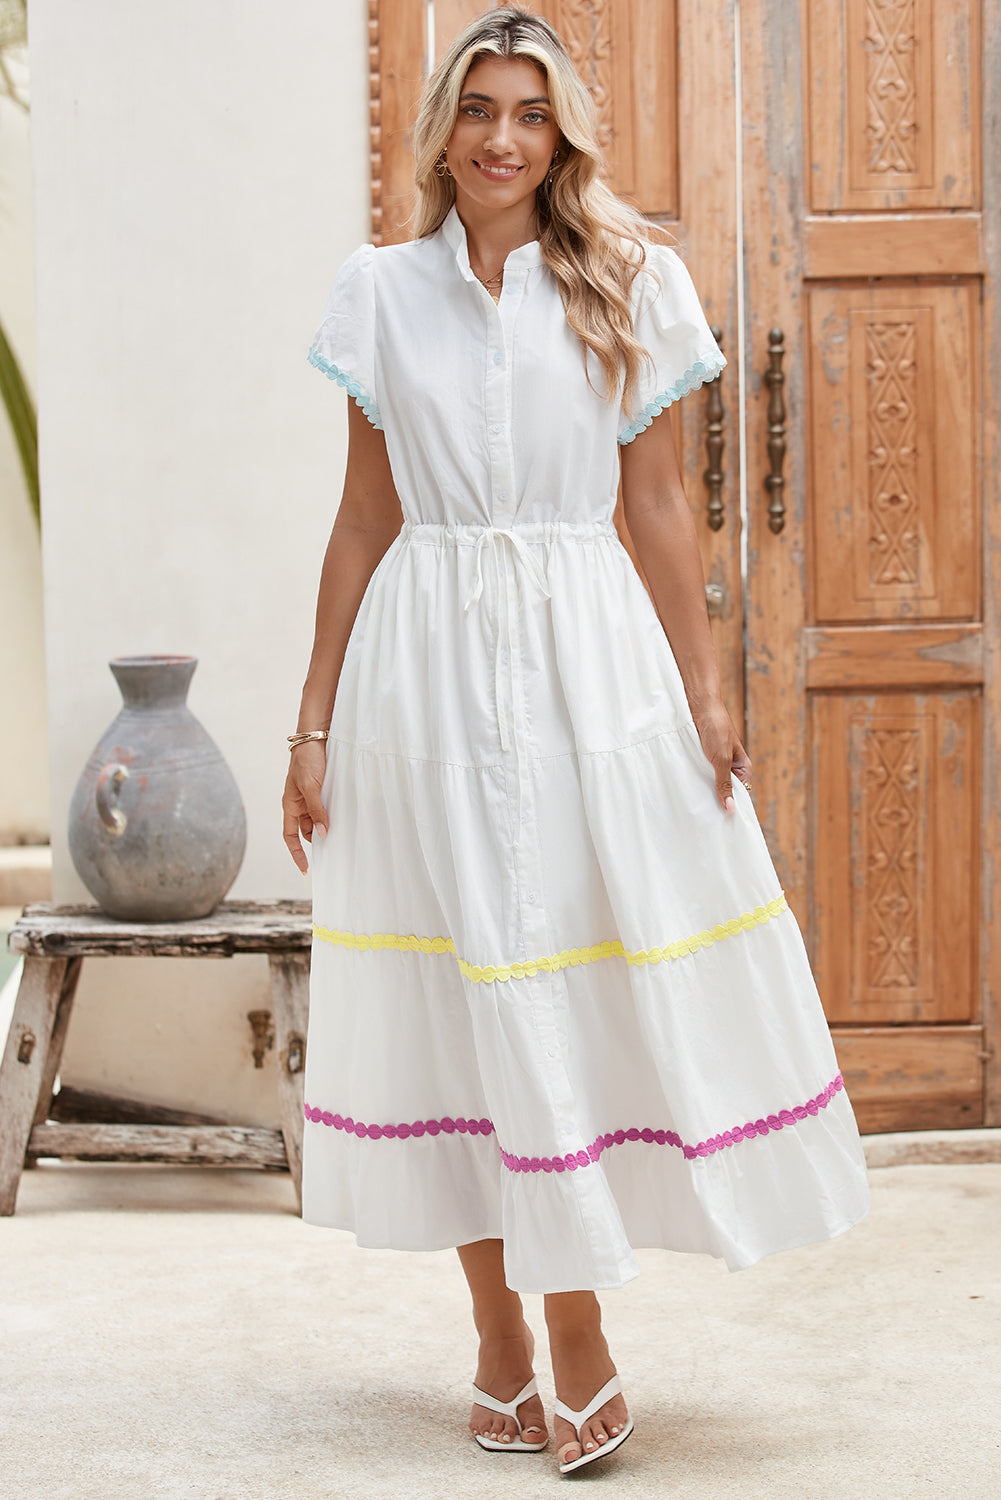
505	1408
611	1388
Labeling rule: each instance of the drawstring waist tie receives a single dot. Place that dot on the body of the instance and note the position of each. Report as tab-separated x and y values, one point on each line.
514	543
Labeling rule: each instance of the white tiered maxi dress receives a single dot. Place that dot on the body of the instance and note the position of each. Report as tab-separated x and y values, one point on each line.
557	996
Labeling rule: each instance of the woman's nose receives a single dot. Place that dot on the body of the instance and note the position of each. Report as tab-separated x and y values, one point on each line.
499	138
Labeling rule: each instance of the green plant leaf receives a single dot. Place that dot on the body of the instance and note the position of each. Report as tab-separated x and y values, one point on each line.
21	411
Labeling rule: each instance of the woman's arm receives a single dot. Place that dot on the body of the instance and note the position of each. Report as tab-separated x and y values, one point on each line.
368	521
660	523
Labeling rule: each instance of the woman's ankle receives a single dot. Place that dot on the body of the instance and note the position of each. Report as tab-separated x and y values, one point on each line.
572	1316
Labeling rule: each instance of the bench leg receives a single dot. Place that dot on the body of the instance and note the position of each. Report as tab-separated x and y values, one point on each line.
25	1066
60	1026
290	999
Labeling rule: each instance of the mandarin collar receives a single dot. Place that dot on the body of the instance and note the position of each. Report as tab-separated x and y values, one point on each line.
454	233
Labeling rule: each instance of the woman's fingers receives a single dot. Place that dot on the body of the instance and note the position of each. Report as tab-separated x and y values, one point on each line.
724	786
742	765
315	814
290	833
302	803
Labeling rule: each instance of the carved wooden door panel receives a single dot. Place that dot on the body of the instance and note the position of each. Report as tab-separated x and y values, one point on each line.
871	242
662	75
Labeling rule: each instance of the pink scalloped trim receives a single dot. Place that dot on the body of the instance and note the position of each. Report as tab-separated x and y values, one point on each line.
573	1160
397	1132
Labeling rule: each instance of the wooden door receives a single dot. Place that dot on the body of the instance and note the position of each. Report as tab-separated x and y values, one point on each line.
662	74
871	244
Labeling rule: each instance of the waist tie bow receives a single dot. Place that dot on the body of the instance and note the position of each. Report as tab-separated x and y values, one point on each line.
522	550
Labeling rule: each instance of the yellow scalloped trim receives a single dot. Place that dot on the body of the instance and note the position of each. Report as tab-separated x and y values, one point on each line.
569	958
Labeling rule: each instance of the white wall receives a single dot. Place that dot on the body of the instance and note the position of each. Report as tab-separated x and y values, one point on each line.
201	170
24	765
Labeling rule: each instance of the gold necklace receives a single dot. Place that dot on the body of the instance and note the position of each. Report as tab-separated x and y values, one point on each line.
491	282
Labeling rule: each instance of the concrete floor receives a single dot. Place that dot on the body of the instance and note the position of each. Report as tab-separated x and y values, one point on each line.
173	1334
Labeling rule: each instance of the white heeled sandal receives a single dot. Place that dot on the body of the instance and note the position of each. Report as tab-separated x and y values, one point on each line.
577	1419
507	1409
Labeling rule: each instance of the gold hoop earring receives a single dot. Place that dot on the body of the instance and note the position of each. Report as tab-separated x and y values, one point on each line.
441	166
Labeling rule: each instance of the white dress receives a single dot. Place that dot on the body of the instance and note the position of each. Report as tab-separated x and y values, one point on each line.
557	996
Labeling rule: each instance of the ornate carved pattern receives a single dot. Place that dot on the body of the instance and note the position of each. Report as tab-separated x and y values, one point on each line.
891	405
890	44
587	30
375	120
891	825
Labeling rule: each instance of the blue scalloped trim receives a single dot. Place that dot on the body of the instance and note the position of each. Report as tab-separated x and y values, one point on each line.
693	378
352	387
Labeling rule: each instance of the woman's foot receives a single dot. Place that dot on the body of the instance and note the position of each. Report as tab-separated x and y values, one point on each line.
504	1369
581	1366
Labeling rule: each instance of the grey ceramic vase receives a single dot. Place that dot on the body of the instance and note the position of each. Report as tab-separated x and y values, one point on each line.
157	828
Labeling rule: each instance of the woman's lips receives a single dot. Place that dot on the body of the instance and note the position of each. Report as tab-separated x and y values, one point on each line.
498	172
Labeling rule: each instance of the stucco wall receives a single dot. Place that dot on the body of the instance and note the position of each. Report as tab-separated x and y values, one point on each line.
200	173
24	765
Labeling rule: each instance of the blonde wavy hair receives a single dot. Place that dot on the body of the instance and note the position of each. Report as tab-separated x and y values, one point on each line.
590	239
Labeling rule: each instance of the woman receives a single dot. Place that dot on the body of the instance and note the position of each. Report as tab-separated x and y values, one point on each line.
553	969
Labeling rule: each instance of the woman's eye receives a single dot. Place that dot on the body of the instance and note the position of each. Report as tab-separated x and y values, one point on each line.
473	110
535	118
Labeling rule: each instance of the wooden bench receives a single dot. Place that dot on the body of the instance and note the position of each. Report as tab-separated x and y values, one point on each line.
55	940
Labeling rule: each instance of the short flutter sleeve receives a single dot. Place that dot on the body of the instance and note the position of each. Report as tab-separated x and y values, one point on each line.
344	346
669	322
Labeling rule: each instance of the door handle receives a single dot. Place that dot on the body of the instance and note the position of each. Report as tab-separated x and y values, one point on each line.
775	480
713	474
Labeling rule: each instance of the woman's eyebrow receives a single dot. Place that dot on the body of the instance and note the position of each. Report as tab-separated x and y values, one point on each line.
486	99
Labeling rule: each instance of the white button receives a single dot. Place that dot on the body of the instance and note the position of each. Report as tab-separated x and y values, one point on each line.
504	656
502	494
524	817
530	898
496	427
498	359
552	1052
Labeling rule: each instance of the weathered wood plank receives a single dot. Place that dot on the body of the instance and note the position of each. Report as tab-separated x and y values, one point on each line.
290	1001
217	1146
23	1067
48	931
82	1106
776	609
918	1078
892	245
876	656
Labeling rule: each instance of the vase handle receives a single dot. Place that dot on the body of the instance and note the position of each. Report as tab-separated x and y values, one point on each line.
109	785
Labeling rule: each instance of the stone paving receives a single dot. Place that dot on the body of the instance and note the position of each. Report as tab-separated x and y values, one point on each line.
172	1333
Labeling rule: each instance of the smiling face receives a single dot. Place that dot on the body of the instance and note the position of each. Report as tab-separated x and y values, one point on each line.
505	134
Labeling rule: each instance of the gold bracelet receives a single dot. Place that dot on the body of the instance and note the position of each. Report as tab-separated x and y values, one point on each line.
302	735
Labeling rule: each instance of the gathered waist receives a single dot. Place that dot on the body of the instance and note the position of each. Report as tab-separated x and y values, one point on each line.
474	533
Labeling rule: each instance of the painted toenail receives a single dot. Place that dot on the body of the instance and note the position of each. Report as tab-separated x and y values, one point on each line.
589	1446
615	1432
506	1438
602	1437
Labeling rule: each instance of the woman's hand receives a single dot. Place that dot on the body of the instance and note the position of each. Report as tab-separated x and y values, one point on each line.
723	750
302	804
